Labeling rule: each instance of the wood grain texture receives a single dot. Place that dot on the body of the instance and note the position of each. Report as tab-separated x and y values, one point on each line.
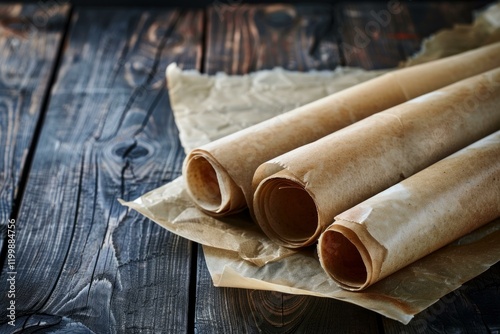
381	34
25	31
84	262
429	17
376	35
227	310
244	38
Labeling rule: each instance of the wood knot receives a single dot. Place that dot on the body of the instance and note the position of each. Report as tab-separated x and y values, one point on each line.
131	150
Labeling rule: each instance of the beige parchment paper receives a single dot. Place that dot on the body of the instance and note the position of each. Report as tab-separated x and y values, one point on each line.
299	193
423	213
238	254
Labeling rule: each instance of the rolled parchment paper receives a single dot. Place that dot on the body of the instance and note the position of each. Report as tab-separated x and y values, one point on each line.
414	217
219	174
299	193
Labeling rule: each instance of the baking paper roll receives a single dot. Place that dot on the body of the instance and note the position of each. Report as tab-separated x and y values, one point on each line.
219	174
415	217
300	192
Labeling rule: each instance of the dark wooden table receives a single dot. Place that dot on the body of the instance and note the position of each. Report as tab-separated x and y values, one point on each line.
85	119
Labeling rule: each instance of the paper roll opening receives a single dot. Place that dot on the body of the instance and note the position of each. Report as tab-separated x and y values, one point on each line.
342	260
287	213
203	183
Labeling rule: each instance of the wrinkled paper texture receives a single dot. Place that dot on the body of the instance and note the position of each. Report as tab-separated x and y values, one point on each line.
237	253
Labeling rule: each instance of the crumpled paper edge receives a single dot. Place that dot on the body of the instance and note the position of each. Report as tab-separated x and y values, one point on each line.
170	207
261	95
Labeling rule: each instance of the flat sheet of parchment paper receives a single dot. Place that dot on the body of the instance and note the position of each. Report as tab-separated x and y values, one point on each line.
237	253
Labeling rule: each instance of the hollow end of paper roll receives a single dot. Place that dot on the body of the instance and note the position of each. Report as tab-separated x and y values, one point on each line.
345	259
203	184
286	213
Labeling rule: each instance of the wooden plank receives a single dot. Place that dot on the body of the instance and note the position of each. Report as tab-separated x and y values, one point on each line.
25	30
381	34
84	261
430	17
227	310
376	35
244	38
247	38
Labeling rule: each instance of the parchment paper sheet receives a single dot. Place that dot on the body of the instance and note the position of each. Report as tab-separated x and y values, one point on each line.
423	213
238	254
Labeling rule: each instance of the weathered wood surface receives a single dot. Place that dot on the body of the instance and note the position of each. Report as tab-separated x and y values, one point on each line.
227	310
243	38
381	34
83	262
24	82
86	264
